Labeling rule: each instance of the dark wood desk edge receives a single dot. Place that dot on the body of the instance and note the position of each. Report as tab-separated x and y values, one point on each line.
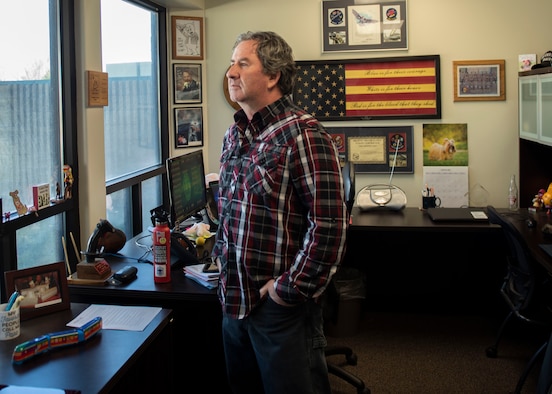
161	321
57	322
532	235
409	219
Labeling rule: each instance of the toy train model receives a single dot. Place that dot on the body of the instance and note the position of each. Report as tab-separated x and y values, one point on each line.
27	350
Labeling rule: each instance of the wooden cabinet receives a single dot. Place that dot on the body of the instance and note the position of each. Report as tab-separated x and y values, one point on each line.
535	132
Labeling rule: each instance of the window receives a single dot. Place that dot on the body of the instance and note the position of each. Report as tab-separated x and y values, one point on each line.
36	108
134	56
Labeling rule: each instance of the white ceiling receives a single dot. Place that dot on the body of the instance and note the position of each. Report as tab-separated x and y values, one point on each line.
190	4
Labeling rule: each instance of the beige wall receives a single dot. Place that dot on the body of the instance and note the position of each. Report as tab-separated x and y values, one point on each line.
469	30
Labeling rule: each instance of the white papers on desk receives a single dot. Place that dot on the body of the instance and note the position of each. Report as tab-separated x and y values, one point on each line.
195	272
117	317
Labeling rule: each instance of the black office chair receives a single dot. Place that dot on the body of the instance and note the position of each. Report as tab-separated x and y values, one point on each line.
349	185
526	288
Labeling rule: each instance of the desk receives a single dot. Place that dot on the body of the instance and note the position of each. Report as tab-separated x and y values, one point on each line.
533	235
411	219
107	363
197	314
412	262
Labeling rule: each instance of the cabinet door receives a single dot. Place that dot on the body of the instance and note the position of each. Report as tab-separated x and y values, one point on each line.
546	109
528	108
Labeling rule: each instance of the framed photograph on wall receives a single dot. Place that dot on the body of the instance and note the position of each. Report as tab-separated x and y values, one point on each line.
479	80
44	288
187	83
187	38
188	127
377	25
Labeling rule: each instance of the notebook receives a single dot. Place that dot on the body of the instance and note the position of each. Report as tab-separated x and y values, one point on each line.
457	214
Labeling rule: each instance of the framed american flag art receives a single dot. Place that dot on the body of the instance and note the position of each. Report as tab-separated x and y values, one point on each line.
370	89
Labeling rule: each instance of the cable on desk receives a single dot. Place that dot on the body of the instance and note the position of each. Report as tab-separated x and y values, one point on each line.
141	259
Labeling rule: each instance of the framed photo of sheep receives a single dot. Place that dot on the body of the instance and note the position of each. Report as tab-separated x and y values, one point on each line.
479	80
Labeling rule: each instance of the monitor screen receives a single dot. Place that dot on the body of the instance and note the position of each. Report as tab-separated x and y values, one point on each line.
187	190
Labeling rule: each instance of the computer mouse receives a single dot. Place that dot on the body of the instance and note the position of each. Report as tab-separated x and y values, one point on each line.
531	222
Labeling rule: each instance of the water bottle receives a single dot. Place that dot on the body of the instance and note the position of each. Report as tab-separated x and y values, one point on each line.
161	251
513	194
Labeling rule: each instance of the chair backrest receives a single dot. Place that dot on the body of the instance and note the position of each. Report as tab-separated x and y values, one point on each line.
348	172
519	284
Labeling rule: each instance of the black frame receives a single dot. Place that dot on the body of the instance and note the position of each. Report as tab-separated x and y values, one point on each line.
379	26
179	133
194	69
369	89
384	137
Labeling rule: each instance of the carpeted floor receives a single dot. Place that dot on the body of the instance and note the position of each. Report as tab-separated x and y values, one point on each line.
429	353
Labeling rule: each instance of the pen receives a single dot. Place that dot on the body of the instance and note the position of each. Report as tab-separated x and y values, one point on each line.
18	301
12	299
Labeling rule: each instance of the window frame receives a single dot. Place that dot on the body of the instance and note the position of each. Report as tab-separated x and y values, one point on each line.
134	181
68	110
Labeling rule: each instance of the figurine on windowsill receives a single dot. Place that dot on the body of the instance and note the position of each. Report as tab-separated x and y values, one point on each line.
19	206
67	181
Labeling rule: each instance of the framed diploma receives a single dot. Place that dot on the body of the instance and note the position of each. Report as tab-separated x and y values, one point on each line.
376	149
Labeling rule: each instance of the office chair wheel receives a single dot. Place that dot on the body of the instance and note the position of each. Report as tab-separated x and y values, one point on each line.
352	359
491	351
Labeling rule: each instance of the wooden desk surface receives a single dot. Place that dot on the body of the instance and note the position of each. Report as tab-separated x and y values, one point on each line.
409	219
179	289
532	235
92	367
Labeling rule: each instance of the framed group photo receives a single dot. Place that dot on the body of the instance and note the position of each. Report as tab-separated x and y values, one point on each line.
479	80
44	288
187	38
187	83
188	127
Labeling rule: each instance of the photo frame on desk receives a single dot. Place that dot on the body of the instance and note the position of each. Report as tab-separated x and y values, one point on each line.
44	287
479	80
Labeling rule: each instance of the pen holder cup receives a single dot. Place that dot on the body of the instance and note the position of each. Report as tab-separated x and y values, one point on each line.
10	323
431	202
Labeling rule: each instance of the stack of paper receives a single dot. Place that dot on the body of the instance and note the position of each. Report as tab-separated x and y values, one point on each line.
207	279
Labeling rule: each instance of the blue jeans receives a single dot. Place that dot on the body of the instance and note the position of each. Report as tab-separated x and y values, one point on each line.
277	350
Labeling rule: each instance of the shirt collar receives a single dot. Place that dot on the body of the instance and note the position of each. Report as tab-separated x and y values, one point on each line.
263	117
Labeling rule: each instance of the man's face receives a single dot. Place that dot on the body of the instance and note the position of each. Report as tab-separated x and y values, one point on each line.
246	81
186	76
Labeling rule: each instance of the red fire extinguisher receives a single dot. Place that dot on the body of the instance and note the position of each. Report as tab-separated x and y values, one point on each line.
161	251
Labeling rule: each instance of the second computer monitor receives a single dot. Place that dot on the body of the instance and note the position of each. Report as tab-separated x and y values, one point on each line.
187	190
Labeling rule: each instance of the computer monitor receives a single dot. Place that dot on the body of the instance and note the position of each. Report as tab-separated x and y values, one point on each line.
187	190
